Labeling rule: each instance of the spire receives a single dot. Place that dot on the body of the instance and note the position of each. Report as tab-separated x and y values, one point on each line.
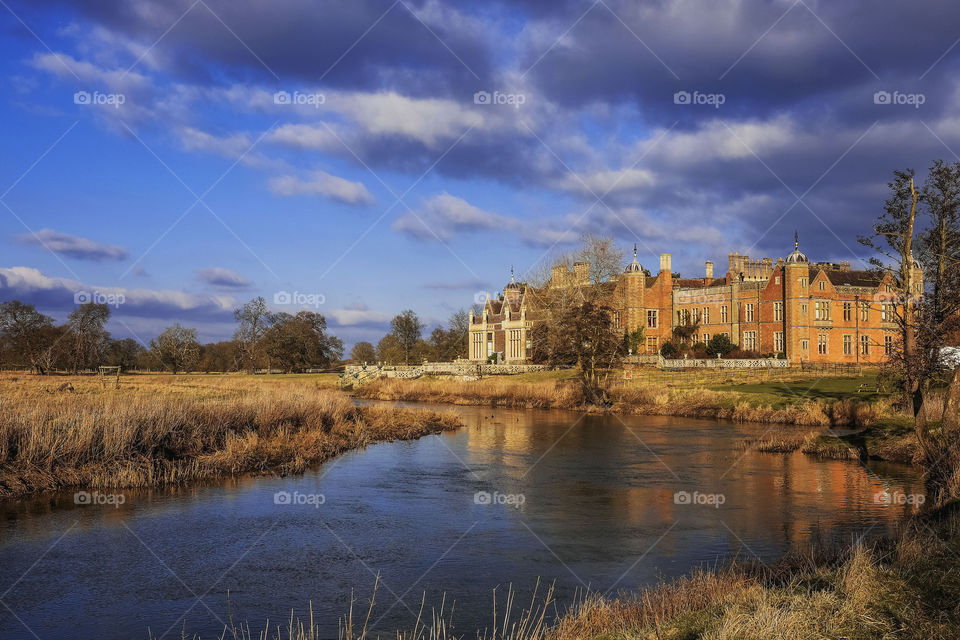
634	251
511	273
796	240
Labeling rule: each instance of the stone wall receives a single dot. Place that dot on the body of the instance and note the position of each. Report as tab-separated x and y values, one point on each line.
462	368
760	363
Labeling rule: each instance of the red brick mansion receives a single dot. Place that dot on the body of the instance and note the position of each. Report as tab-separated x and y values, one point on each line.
819	312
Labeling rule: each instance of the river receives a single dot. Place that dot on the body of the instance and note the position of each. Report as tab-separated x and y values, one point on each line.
603	502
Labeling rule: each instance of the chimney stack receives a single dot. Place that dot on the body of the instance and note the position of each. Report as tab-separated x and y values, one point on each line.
665	263
709	270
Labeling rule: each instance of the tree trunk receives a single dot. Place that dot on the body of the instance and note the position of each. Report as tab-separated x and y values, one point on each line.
951	406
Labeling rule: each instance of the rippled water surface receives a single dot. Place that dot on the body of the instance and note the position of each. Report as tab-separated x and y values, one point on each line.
516	495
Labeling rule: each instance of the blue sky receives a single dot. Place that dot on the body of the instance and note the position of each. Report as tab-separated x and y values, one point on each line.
187	184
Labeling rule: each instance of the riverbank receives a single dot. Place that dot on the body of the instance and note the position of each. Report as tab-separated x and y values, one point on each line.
638	399
903	586
70	432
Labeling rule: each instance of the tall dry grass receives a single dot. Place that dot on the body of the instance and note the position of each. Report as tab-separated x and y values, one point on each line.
644	399
179	431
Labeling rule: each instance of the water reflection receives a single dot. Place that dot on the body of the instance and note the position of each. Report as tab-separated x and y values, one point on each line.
594	502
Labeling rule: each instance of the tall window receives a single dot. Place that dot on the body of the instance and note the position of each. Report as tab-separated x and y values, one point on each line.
823	285
888	345
750	312
804	282
778	312
821	310
848	345
822	344
805	345
652	318
616	319
652	344
706	315
887	314
705	338
723	314
750	340
865	311
778	341
847	311
865	345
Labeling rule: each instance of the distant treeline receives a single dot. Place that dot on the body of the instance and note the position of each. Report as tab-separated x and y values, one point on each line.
264	339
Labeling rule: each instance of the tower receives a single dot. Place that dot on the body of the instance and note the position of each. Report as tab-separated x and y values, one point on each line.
796	292
634	284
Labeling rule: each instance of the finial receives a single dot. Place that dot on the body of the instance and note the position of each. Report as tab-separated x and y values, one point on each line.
796	240
511	273
634	251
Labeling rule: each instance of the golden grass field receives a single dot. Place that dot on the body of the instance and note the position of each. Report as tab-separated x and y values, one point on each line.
687	398
60	432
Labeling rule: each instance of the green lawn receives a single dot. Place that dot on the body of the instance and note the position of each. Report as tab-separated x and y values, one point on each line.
778	394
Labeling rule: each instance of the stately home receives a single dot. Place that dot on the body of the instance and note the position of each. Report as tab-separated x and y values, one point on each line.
819	312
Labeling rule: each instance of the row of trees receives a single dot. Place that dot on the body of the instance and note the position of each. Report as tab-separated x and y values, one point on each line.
405	342
264	339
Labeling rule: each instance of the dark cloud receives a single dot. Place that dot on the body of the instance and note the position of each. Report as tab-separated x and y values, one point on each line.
357	44
223	278
73	246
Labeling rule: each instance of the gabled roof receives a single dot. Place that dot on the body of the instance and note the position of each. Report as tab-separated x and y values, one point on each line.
863	278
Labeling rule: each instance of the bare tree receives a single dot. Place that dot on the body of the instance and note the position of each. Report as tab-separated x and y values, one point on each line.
90	340
177	348
893	238
407	329
253	318
363	352
605	257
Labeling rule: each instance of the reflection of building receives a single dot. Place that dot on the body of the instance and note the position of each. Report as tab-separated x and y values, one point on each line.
820	312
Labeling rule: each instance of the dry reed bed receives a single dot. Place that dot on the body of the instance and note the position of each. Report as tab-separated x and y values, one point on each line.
637	399
161	434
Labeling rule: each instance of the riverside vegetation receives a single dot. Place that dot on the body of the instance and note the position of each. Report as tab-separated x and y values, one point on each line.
904	586
69	432
797	400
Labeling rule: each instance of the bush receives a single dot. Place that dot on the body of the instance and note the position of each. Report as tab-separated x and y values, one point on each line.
721	344
669	350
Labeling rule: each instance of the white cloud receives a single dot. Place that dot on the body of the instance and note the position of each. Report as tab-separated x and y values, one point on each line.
31	285
609	181
363	316
321	183
73	246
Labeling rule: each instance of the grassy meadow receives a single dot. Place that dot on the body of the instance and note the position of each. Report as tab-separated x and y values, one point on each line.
59	432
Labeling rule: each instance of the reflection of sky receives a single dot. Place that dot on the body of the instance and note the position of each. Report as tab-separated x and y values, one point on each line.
595	501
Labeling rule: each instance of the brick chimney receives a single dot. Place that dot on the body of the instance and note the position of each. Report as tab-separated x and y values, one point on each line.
581	272
709	270
665	263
